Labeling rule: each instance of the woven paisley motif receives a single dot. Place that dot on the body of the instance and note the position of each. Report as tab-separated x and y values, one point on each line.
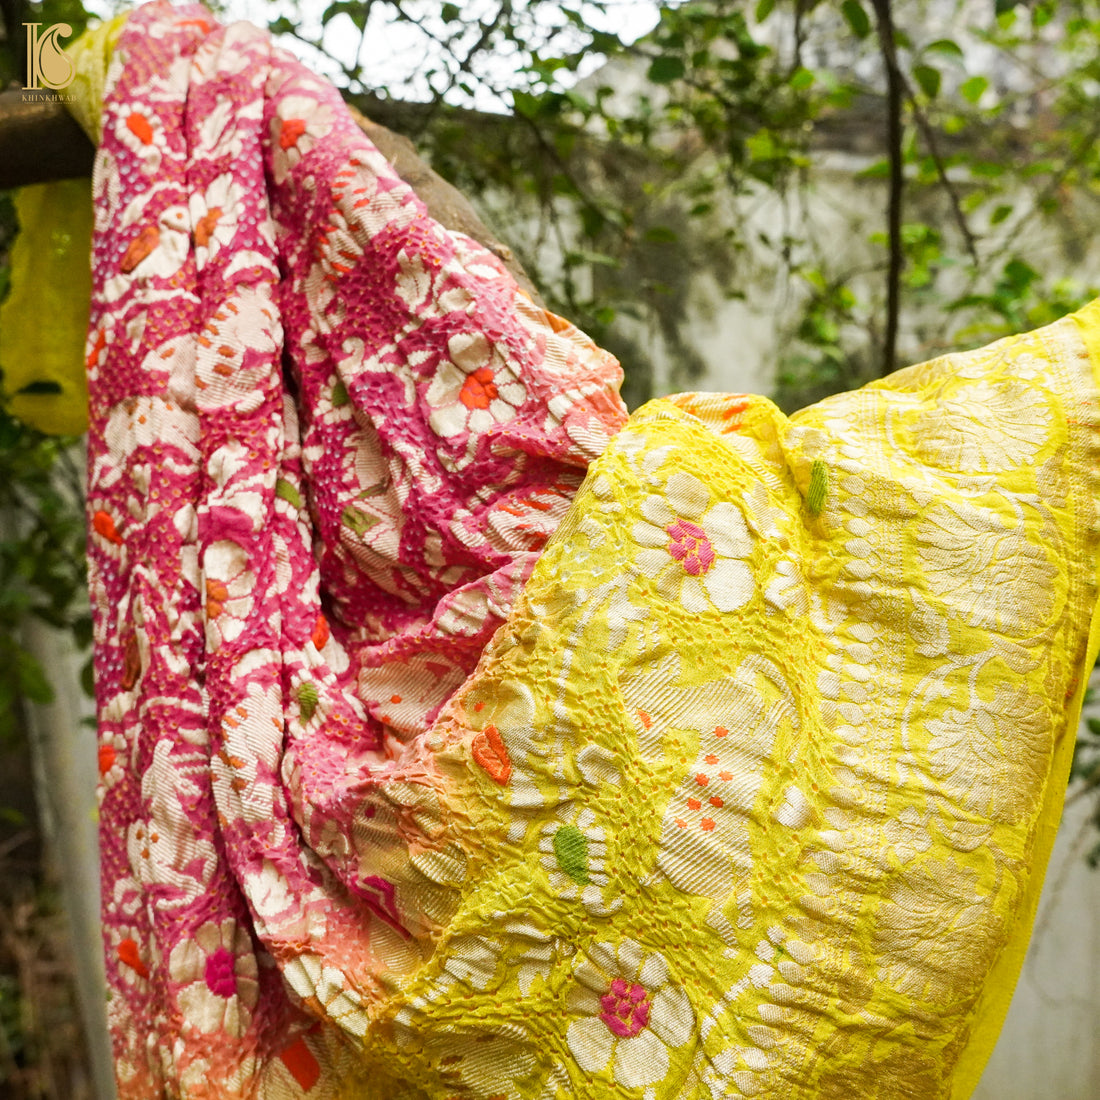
429	772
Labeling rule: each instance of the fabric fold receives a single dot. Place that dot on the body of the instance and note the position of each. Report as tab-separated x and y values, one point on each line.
459	738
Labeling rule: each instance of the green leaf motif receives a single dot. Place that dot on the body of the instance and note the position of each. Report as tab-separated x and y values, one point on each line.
359	522
819	487
307	700
571	852
286	491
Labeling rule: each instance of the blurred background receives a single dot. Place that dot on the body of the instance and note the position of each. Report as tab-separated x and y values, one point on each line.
783	197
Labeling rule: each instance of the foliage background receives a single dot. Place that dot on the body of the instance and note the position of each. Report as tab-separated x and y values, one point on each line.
619	169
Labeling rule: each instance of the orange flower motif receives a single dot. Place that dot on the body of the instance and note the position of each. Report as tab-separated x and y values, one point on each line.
479	389
489	751
290	131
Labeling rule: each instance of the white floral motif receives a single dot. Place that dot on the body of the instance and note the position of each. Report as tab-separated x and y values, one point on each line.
113	754
631	1012
217	971
140	130
475	390
695	552
908	834
229	591
214	216
301	122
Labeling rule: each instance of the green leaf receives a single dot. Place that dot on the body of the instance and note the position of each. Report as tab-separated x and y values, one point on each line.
877	171
857	18
928	79
764	8
972	89
666	68
945	47
801	79
449	12
999	214
661	234
87	679
339	394
32	678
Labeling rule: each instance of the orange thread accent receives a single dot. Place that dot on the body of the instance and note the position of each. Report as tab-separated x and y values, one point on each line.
395	698
712	759
694	804
489	751
725	776
127	952
107	758
716	802
706	824
702	780
320	632
105	526
131	666
301	1064
479	390
646	720
292	129
140	247
138	125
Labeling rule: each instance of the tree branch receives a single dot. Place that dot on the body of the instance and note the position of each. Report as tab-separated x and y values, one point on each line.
894	94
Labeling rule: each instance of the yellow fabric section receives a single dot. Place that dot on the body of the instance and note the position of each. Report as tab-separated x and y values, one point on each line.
44	320
753	793
1002	980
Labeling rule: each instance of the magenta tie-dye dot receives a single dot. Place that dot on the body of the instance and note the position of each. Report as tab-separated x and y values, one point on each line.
689	545
220	978
625	1008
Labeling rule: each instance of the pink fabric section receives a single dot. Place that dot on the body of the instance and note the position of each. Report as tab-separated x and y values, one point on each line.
328	442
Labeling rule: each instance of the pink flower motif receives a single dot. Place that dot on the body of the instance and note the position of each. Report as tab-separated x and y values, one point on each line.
693	549
218	977
630	1014
689	545
625	1008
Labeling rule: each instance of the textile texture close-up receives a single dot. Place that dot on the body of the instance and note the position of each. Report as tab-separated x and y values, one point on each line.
460	737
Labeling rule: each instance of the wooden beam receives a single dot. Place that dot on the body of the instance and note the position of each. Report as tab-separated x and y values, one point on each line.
40	141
